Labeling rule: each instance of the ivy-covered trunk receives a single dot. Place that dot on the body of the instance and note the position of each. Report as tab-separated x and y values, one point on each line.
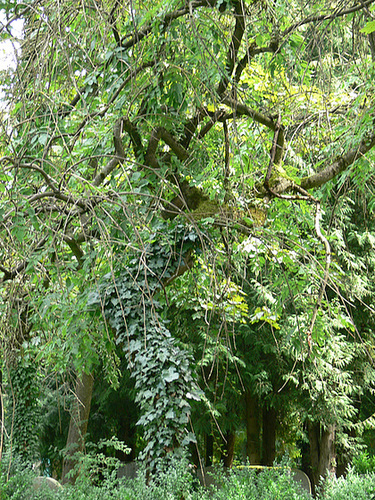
252	412
24	391
78	425
322	450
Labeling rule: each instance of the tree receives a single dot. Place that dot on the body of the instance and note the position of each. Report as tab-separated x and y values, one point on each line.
201	125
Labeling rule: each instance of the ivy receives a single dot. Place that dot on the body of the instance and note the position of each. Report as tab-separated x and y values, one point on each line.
24	387
164	382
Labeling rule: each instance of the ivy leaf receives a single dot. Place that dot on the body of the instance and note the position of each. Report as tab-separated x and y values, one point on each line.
171	375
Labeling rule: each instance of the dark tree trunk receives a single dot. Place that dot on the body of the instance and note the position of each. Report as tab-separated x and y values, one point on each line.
322	451
269	436
229	452
209	450
252	414
78	424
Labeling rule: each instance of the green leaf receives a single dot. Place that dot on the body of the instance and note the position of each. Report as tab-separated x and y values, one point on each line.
368	28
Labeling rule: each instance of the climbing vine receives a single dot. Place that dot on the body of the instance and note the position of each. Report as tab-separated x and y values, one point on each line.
130	300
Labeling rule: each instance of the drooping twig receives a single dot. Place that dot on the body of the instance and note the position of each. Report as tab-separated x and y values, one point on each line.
323	286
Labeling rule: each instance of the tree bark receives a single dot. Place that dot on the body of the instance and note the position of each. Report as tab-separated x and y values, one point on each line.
252	415
229	452
78	425
322	451
209	449
269	436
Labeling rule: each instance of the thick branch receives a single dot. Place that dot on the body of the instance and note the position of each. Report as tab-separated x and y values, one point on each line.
273	155
112	21
162	133
252	51
234	46
75	248
341	164
242	109
135	137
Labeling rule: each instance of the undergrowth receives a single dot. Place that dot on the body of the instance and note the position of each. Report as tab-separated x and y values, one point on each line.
177	481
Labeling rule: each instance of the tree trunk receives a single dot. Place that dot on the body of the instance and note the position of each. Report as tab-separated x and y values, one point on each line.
229	452
322	451
78	425
209	450
269	436
252	414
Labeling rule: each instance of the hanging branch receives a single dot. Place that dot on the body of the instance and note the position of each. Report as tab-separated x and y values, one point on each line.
226	156
318	214
323	286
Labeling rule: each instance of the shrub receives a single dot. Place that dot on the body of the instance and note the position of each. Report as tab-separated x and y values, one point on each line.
352	487
268	484
364	463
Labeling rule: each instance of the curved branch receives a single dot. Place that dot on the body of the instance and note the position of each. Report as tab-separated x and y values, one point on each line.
30	166
136	37
75	248
340	165
252	51
327	17
101	113
156	135
135	137
323	286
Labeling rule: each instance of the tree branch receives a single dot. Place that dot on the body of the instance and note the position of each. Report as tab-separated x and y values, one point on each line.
135	137
112	21
234	47
12	274
242	109
341	164
156	135
327	17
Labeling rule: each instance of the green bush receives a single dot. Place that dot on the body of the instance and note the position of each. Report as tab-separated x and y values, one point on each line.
268	484
364	463
175	481
352	487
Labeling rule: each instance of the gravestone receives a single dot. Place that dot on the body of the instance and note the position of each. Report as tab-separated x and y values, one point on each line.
51	483
128	470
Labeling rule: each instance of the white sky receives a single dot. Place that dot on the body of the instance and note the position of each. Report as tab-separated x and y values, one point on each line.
8	47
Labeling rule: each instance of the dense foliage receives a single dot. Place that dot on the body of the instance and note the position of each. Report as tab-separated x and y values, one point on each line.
187	227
